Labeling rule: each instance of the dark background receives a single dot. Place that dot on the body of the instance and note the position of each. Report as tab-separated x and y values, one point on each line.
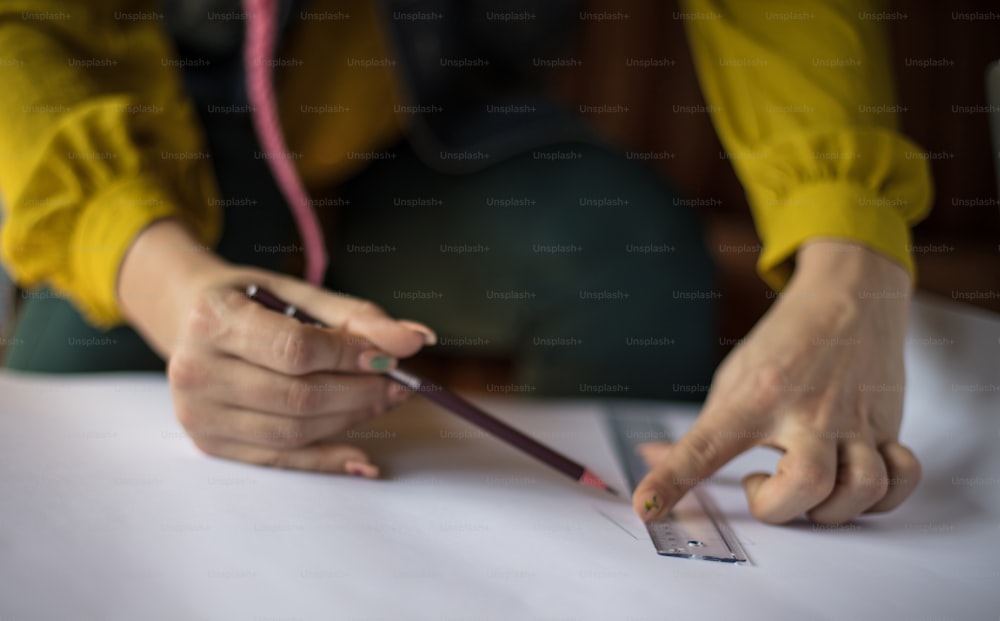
651	125
971	234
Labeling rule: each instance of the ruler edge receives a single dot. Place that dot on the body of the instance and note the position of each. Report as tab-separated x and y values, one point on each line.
705	501
722	526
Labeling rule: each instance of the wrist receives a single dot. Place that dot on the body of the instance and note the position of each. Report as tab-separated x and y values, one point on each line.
158	274
850	264
855	285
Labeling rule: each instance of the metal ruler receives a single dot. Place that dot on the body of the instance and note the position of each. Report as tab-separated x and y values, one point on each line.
695	528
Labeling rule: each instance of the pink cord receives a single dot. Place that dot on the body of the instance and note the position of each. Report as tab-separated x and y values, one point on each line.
258	52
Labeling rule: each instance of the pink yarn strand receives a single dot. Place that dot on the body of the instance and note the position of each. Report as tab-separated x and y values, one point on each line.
261	39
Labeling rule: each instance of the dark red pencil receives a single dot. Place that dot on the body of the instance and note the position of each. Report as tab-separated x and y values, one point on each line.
455	404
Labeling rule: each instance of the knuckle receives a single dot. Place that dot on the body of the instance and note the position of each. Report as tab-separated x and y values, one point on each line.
295	349
203	321
288	437
379	392
364	392
908	466
367	308
812	480
301	398
764	515
185	371
867	485
769	384
700	450
341	351
376	392
768	515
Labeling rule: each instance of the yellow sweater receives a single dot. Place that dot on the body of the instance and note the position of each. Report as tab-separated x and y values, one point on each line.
97	138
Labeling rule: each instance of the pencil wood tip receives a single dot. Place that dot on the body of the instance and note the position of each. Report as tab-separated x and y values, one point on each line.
590	479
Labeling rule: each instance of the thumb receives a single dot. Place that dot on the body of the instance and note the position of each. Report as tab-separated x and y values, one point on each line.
704	449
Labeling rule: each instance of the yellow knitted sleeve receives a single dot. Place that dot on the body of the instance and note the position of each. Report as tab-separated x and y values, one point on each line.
802	98
97	140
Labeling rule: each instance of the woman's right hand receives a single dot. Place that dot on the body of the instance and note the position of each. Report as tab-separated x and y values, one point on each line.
251	384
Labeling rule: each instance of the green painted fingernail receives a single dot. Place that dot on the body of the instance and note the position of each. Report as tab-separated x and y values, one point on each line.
652	503
381	363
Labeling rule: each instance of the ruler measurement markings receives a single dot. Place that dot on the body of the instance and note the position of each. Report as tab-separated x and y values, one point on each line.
695	528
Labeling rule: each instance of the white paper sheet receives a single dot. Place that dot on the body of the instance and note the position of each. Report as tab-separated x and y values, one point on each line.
108	512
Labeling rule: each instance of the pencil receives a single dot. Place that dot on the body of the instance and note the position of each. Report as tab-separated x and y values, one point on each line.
455	404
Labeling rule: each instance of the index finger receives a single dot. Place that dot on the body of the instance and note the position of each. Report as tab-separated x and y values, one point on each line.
357	317
242	328
705	448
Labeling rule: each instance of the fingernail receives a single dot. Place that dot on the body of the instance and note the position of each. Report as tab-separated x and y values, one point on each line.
361	469
430	338
376	361
652	505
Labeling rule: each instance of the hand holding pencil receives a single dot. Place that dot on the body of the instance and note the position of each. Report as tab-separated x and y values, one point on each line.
252	385
249	384
455	404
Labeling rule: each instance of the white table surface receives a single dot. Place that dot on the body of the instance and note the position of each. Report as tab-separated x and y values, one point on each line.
108	512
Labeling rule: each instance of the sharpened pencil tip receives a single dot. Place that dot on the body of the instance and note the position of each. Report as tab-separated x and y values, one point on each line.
590	479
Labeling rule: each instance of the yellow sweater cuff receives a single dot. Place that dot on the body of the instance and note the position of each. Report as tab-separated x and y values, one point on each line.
837	210
108	224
